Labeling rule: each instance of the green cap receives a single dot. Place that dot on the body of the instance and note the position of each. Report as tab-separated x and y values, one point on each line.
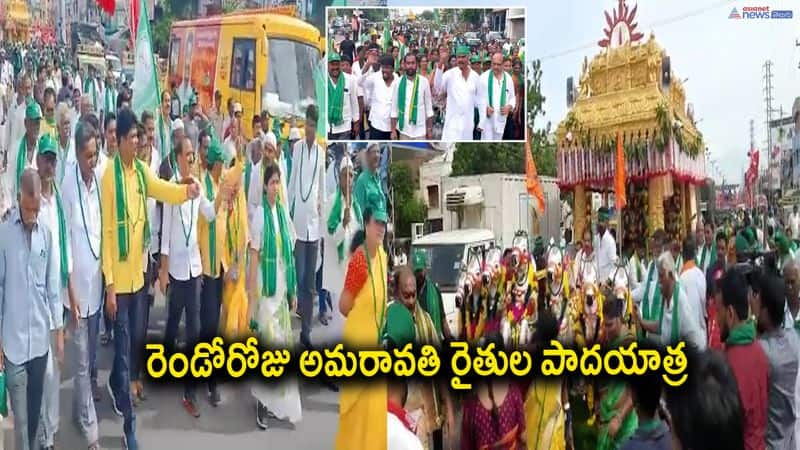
33	111
215	153
47	144
603	215
399	324
487	59
474	59
741	243
462	50
334	57
419	260
377	203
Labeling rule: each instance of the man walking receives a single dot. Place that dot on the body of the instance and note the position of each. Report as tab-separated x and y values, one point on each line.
497	100
27	262
411	98
306	197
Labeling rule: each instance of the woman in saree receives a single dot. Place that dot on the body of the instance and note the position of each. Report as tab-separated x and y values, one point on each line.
362	406
493	417
233	226
545	414
272	292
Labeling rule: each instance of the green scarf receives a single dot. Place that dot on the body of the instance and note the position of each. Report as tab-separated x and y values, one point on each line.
62	237
89	84
401	106
336	100
648	309
248	172
121	197
432	302
502	88
742	334
22	158
212	228
676	317
269	251
335	218
110	103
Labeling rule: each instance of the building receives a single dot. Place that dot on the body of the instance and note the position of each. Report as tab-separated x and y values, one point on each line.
509	21
794	160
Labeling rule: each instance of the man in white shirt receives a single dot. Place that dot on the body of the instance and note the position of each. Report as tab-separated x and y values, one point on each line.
109	98
693	282
181	265
607	247
235	142
93	89
412	106
306	197
51	213
377	87
16	119
109	149
343	113
794	223
460	86
677	321
496	101
81	196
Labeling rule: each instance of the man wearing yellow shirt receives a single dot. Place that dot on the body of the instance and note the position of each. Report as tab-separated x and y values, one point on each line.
125	187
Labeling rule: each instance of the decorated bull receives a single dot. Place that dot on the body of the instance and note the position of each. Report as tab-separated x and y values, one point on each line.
521	294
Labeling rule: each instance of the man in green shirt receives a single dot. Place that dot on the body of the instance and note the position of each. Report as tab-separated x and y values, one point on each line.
369	180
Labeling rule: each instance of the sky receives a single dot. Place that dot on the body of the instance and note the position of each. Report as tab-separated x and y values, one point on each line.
721	58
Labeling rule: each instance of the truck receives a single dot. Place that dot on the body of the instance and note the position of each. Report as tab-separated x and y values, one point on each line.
500	202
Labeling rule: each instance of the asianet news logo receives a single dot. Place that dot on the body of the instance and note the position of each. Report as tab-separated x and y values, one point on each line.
760	12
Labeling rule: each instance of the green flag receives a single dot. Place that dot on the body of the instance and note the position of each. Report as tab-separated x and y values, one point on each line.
146	95
319	90
387	36
436	17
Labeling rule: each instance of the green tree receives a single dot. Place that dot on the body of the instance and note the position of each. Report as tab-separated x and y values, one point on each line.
480	157
427	15
472	16
408	208
544	151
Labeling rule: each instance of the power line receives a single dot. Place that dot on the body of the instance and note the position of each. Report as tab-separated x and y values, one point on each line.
667	21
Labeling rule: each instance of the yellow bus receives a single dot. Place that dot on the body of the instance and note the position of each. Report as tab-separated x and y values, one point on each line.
263	59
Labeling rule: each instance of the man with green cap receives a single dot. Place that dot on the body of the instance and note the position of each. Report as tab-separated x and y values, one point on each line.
52	215
343	113
430	297
459	85
24	154
475	64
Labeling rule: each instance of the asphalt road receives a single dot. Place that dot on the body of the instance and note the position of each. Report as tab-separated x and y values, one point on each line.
163	424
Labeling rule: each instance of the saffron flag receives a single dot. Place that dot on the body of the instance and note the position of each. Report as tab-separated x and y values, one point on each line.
532	177
620	199
146	94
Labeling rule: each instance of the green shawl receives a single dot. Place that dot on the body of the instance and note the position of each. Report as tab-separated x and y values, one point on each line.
212	228
502	89
336	100
431	302
62	237
87	85
650	305
22	157
269	252
335	218
121	200
401	103
742	334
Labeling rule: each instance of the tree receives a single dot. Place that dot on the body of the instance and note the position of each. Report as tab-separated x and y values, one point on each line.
480	157
408	208
375	15
472	16
427	15
544	151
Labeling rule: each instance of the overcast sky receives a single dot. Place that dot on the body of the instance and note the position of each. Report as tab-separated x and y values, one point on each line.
722	58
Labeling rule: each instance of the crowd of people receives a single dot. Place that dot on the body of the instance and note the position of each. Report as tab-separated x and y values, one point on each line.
104	210
731	292
409	84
